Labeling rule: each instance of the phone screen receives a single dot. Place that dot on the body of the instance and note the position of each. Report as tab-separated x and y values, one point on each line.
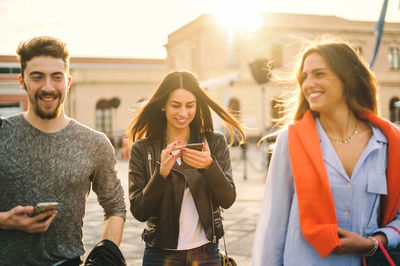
45	206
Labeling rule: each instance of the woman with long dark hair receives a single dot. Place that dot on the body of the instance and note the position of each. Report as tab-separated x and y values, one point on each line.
174	186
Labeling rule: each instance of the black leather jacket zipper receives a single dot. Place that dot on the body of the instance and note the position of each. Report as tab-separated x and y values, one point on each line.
149	161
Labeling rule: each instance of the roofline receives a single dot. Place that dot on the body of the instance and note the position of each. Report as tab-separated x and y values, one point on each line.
97	60
207	17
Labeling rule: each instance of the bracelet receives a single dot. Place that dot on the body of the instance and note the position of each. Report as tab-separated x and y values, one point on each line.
374	249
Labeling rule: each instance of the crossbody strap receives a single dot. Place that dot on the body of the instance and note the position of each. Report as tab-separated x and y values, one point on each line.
395	229
214	237
214	240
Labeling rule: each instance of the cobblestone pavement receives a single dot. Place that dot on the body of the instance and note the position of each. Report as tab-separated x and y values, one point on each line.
239	220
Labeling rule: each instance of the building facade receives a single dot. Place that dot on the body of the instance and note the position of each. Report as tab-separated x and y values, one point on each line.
209	50
106	91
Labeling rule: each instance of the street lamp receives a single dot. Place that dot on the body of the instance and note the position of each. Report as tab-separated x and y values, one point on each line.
261	73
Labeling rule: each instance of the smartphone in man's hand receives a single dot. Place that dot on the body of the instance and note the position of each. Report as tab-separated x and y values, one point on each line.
44	207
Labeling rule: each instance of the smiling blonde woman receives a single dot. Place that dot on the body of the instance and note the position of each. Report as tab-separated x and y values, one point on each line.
332	190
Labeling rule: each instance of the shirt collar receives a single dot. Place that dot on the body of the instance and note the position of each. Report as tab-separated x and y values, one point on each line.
378	134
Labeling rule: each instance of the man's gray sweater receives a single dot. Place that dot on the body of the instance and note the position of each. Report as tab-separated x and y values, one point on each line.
63	167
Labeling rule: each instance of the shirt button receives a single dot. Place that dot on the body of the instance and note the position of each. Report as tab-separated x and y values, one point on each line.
349	184
347	212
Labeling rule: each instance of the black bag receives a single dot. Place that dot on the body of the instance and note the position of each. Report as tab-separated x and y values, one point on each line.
382	256
380	259
226	260
105	253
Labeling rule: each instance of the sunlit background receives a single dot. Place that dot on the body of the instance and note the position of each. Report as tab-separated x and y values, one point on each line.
106	91
139	29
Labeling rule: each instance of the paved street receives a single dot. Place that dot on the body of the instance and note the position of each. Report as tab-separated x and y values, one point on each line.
239	220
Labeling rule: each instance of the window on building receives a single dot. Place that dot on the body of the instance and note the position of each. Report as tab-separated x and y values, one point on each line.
394	108
9	70
394	58
276	108
4	70
10	108
104	116
234	107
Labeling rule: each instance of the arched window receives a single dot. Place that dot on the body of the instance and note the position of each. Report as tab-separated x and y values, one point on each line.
394	108
104	116
276	108
234	107
394	58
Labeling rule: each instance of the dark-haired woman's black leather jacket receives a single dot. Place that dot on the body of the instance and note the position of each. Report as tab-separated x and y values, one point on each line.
158	200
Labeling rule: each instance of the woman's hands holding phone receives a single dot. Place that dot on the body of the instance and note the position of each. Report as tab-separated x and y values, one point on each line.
168	158
196	155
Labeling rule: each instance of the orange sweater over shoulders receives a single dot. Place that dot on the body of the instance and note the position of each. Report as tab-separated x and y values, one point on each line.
316	207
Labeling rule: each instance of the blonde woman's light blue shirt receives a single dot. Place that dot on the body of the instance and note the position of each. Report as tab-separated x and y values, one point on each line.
278	239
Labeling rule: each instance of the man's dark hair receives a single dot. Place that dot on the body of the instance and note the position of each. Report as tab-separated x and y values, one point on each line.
42	46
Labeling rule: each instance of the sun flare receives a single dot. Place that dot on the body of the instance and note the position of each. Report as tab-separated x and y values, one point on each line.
238	14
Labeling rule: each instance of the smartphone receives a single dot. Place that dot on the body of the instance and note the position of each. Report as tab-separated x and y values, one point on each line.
195	146
44	206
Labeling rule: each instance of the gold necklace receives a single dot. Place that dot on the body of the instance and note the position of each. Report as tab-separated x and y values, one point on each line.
347	140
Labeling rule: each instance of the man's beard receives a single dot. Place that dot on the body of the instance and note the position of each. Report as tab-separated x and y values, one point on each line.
47	115
42	113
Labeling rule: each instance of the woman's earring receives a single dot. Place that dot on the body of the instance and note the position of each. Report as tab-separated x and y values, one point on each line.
163	109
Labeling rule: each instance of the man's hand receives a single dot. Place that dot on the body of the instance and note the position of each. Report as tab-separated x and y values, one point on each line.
18	219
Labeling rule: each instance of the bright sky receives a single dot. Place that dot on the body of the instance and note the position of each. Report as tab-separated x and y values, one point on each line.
139	28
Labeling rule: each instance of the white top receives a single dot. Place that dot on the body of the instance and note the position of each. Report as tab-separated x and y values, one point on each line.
191	233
